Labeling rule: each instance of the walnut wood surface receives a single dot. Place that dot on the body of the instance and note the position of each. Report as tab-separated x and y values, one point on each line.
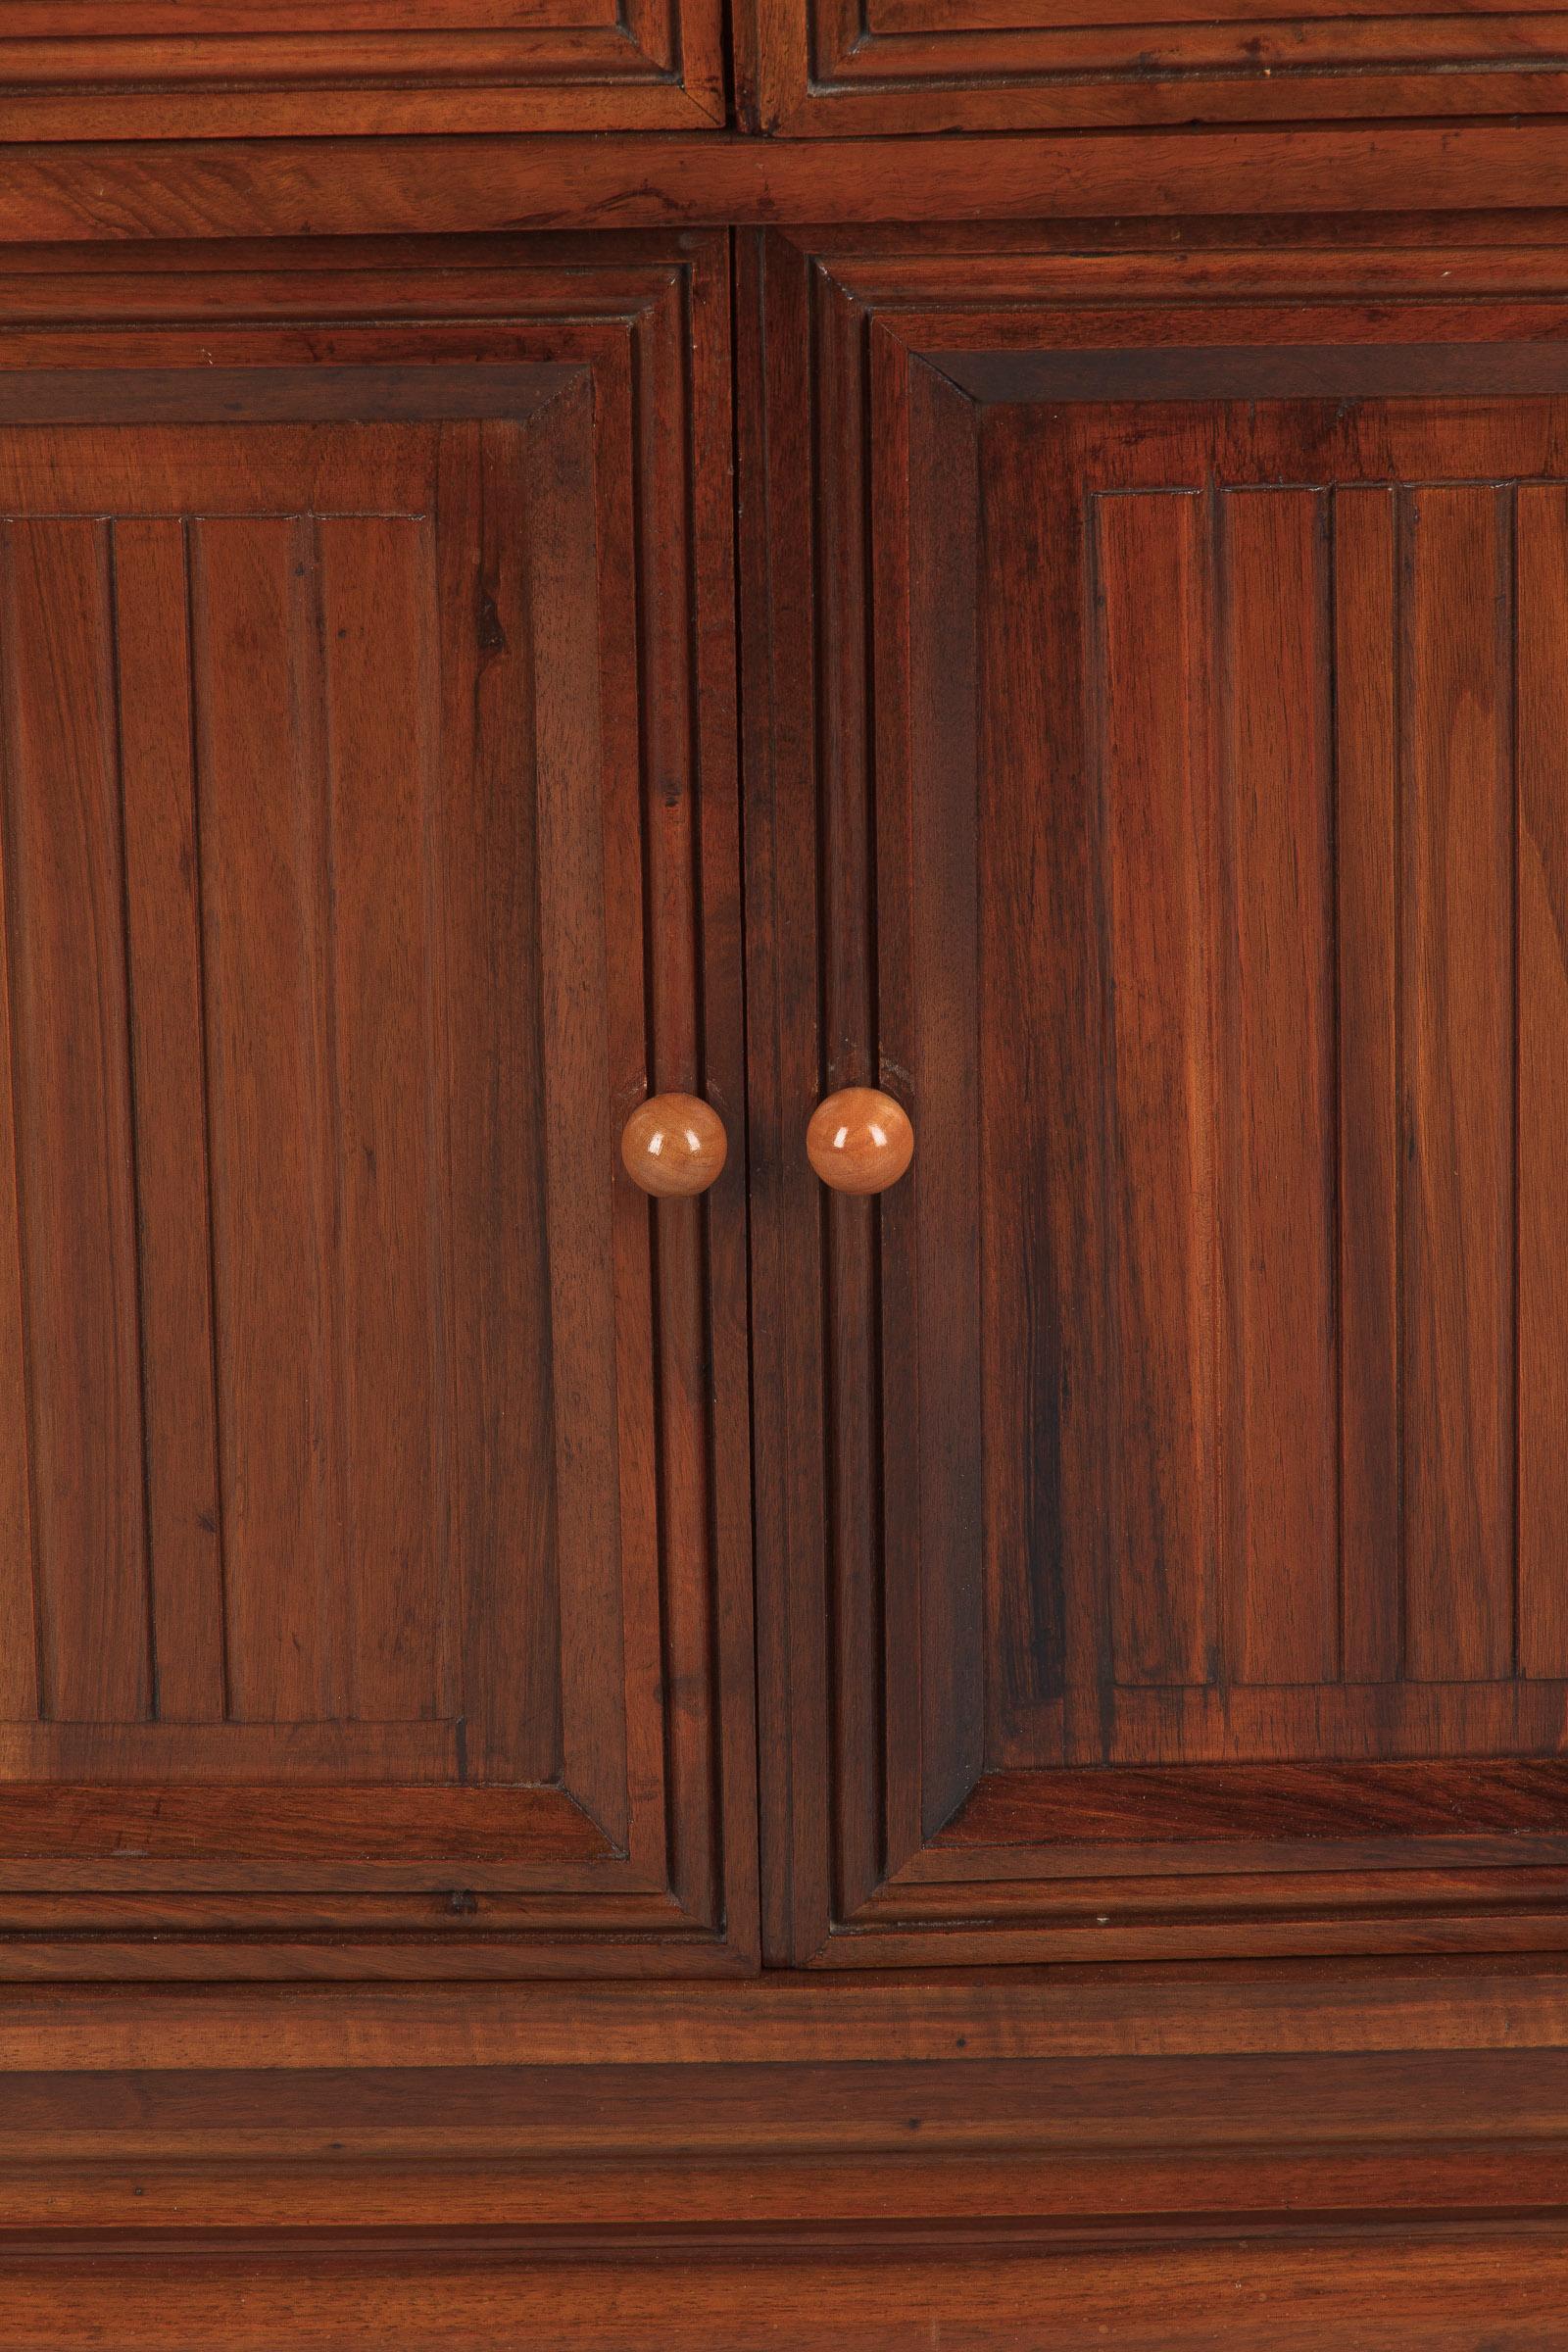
266	67
262	188
214	69
1158	705
364	1486
1389	2290
1181	2160
370	851
808	67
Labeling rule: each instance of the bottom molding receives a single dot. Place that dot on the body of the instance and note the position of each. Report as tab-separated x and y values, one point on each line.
1275	2159
1493	2291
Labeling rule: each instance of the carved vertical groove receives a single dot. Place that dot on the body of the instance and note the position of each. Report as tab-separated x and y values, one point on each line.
204	1033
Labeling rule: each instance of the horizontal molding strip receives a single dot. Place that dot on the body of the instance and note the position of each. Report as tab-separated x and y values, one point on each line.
293	187
794	2018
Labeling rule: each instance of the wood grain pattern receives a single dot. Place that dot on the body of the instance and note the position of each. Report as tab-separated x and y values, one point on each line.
1277	1114
1541	977
1251	776
1155	687
148	70
1374	182
1457	1019
810	68
264	878
1154	787
325	998
783	2017
1068	2145
1062	2140
214	71
163	948
78	1381
1366	765
1434	2293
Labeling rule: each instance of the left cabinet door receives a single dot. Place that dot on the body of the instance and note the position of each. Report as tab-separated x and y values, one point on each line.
334	68
374	1507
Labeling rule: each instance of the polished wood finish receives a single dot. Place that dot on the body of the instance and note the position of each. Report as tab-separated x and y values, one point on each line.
1152	558
1177	1533
1194	179
151	69
365	1485
74	70
783	2017
1003	2156
859	1140
1390	2289
674	1146
815	66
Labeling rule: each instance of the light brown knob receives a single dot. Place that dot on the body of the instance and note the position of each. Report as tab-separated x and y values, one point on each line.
859	1140
674	1145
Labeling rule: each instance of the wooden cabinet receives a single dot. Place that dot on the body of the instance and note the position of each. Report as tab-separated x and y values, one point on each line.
374	1508
1163	1506
1152	697
783	1031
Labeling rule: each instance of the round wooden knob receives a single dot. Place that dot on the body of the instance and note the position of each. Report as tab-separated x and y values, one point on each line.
859	1140
674	1145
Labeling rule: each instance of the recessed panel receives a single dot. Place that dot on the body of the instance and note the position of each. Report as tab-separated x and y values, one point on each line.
1301	729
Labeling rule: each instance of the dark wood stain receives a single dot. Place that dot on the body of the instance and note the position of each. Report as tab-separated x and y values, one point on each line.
506	619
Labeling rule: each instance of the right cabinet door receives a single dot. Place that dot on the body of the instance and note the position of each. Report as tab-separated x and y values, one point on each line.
1159	789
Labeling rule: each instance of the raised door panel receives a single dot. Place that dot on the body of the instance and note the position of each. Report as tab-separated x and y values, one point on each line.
1162	1553
374	1549
823	67
265	69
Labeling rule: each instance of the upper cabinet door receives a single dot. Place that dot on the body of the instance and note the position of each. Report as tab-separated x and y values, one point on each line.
877	65
1164	1484
374	1542
265	69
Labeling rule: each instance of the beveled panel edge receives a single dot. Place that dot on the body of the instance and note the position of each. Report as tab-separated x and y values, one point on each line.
281	394
1296	372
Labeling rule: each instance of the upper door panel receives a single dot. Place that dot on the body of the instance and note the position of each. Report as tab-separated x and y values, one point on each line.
260	69
874	66
1162	1527
374	1566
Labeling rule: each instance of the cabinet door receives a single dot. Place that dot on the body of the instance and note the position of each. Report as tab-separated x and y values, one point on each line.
823	66
373	1495
1164	1487
310	69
